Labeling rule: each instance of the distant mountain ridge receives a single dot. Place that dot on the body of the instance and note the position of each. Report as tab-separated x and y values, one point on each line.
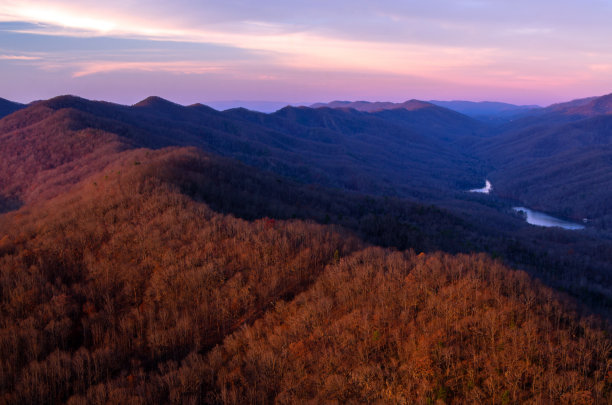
584	107
487	109
254	105
480	110
375	106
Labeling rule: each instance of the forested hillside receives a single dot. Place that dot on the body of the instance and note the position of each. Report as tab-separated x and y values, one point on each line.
346	149
158	253
126	289
406	328
558	166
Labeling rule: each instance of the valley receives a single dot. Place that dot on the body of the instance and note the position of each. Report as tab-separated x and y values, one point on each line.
160	253
298	202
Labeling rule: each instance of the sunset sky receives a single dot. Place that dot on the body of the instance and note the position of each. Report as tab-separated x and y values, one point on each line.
189	51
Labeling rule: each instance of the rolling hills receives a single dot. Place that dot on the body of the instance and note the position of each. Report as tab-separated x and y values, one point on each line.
51	145
555	159
160	253
486	111
136	286
346	149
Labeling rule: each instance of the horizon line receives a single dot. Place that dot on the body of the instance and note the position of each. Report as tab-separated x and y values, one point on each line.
302	103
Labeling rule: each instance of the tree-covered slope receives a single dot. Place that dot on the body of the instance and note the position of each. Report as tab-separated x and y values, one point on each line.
138	286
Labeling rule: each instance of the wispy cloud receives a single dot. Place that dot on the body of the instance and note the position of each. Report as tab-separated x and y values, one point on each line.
601	67
19	57
297	43
299	49
540	45
177	67
58	15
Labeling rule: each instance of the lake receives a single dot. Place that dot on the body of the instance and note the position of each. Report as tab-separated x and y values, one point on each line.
541	219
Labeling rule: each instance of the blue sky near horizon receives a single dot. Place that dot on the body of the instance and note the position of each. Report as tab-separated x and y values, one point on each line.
191	51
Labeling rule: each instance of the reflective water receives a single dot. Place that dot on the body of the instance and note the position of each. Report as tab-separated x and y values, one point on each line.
485	190
541	219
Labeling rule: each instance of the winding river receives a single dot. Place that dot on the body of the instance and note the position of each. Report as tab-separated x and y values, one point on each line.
541	219
485	190
534	217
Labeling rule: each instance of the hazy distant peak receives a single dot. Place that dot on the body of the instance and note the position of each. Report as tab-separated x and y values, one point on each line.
197	106
414	105
251	105
201	107
335	104
375	106
291	109
155	102
487	109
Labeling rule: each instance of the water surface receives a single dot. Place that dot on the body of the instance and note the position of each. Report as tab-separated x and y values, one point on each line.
541	219
485	190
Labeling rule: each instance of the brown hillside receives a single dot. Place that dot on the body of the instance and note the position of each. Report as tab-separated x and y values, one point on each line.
395	327
119	292
125	275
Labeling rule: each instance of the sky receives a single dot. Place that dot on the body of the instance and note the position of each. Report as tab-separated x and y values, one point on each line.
289	51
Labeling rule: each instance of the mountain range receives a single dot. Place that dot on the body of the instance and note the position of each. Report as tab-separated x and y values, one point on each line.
556	158
348	149
160	253
487	111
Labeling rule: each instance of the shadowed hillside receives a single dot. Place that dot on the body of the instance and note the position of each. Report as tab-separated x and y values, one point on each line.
347	149
562	168
8	107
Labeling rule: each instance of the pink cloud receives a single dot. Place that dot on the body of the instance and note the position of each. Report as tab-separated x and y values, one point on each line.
176	67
